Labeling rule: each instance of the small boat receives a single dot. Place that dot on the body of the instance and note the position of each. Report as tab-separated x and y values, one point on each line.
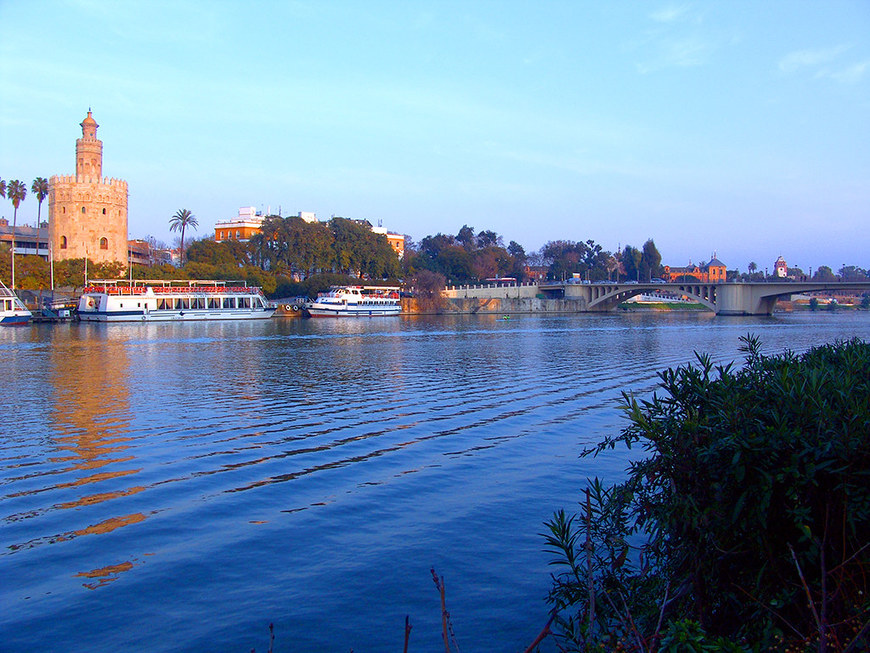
163	301
356	301
13	312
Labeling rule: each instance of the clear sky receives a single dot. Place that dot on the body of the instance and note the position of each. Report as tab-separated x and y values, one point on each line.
740	127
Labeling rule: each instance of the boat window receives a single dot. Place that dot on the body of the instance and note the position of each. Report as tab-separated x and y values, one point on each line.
214	302
229	302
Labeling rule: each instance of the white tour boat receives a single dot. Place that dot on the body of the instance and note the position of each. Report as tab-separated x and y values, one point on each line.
154	301
356	301
13	312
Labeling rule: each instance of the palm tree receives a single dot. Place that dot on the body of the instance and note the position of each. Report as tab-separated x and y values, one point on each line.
40	189
15	191
181	220
2	188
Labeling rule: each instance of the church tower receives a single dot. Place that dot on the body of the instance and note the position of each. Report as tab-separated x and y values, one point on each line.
87	213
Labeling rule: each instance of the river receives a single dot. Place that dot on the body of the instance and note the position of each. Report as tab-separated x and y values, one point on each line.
170	487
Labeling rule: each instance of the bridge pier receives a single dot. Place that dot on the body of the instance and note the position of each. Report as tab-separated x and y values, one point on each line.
744	299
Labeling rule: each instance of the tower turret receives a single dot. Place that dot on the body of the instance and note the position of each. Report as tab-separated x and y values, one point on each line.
89	152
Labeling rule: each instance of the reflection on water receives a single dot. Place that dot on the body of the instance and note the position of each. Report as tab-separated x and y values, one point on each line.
291	471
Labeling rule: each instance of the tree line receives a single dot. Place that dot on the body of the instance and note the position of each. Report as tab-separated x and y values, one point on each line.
470	257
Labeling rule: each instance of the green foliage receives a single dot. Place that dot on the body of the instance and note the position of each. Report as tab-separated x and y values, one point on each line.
631	262
824	273
466	258
427	287
814	304
229	253
650	261
754	497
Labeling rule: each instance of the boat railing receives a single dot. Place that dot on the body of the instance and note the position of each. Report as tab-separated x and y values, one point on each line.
5	292
112	289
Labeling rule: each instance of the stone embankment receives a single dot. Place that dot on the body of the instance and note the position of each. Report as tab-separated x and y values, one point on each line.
500	298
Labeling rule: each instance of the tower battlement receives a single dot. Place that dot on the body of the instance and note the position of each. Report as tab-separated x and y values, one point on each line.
105	181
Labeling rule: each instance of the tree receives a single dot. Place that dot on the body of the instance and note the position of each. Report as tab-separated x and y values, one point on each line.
563	258
752	267
40	189
631	259
16	191
518	260
2	188
465	237
427	288
853	273
217	254
824	273
650	261
181	221
487	238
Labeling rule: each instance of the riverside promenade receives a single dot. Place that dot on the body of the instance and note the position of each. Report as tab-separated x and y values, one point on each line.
735	298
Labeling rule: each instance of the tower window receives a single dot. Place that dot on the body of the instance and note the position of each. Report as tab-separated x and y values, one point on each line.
83	209
63	242
104	211
104	243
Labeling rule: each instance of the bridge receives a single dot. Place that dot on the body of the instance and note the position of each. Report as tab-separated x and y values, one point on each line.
732	298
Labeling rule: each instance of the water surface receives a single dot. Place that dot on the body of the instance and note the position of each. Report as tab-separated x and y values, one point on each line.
170	487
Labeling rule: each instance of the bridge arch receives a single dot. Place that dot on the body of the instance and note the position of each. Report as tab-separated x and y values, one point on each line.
606	297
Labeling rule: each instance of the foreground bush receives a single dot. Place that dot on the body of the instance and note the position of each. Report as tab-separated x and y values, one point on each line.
747	527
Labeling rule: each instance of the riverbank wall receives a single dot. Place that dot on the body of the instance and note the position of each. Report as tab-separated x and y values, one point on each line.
494	306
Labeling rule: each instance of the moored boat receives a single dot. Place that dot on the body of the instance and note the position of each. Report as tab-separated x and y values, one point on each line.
13	312
356	301
161	301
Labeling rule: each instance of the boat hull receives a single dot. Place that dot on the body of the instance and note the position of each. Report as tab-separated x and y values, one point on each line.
12	311
352	311
15	320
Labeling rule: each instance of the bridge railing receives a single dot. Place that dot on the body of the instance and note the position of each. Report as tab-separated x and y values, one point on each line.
479	286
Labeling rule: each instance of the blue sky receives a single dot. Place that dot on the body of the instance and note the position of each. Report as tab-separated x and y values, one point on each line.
737	127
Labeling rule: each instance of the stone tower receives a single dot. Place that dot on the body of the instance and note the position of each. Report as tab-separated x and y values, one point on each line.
87	213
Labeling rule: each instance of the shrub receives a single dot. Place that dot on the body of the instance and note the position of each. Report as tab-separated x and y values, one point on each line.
749	520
